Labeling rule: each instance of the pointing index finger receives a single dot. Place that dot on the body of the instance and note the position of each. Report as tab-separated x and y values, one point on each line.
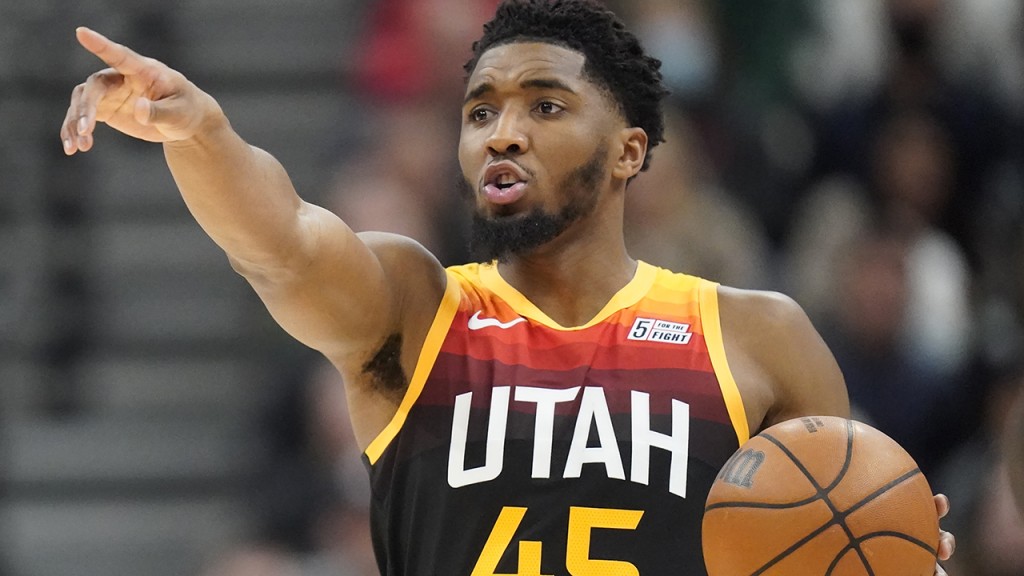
118	57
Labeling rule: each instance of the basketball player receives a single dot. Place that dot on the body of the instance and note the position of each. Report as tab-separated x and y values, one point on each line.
560	408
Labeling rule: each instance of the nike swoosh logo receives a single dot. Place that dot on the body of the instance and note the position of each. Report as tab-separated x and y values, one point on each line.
476	322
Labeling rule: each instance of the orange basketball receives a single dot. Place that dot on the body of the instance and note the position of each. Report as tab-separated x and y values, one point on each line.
820	496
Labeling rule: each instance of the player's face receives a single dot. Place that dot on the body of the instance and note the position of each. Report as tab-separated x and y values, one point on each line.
534	146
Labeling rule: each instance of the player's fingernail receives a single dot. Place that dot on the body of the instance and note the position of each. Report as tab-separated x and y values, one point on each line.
83	123
67	145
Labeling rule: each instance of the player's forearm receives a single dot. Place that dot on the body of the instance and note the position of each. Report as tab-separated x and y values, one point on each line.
240	195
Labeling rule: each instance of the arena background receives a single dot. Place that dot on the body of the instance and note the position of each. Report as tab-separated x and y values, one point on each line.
865	156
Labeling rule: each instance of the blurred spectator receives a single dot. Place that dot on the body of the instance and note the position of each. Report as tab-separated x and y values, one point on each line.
915	109
989	528
312	499
409	78
415	49
1013	448
760	139
401	179
343	530
681	34
893	290
851	51
999	227
825	224
678	217
914	178
888	387
911	72
909	184
726	63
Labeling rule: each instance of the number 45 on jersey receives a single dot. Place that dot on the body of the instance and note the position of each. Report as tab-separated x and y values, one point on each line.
577	553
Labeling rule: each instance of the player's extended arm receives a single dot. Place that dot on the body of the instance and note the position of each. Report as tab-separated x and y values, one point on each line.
321	282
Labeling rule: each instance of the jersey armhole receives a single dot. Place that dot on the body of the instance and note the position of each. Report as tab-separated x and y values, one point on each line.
428	355
712	324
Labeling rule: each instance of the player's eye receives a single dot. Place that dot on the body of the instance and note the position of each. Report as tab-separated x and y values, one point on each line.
549	108
479	114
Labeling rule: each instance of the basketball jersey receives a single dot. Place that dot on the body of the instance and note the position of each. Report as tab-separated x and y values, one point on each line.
523	447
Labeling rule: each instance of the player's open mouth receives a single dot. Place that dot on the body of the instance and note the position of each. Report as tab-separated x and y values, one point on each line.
504	183
504	194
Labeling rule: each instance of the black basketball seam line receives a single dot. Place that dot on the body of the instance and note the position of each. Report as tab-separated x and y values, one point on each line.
796	545
767	505
900	535
792	457
818	531
855	543
842	516
807	474
883	489
838	518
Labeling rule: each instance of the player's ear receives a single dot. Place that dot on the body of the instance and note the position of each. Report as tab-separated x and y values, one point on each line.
633	143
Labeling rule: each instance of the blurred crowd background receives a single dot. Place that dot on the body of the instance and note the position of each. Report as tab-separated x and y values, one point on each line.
864	156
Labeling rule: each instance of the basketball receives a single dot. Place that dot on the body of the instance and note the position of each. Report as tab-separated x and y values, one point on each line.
820	496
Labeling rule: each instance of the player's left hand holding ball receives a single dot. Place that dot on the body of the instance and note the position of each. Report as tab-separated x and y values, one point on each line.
947	543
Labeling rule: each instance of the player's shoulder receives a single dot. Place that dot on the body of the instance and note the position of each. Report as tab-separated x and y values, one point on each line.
776	346
765	310
771	329
411	270
406	253
396	244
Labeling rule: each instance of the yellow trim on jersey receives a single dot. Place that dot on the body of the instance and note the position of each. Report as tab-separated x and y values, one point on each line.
630	294
712	323
428	354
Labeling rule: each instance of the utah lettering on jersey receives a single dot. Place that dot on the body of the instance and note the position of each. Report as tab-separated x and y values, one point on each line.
593	414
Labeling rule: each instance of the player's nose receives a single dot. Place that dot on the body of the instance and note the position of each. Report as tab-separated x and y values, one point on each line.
508	135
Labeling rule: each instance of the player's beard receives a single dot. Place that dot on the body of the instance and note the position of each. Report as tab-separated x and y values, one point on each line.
504	236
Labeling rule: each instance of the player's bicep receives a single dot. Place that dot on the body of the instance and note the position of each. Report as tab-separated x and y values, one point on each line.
786	368
807	378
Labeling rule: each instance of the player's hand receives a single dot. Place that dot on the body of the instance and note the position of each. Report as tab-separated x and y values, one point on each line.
138	96
947	543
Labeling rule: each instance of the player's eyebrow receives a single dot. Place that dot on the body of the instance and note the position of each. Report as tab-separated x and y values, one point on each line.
533	83
547	84
479	91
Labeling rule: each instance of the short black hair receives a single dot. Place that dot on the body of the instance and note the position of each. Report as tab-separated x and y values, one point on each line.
615	60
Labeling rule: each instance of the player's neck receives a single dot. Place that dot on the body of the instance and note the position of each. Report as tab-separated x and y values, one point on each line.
571	281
